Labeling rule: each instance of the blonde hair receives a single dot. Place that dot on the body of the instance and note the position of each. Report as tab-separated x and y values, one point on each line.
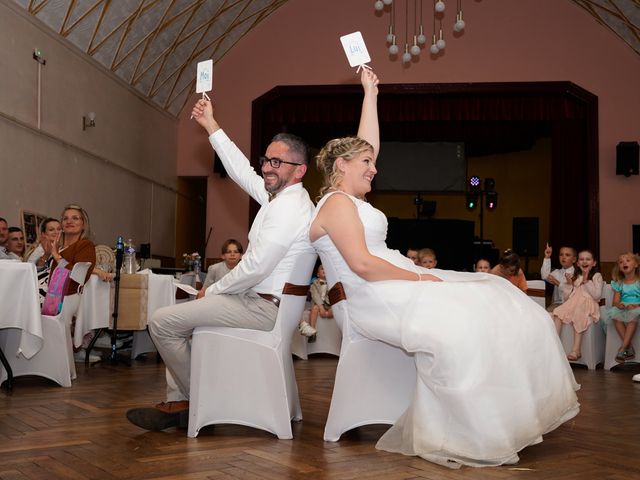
346	148
86	229
617	275
426	252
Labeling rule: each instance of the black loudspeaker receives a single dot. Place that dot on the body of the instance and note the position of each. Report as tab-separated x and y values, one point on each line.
145	250
635	232
218	167
627	154
525	236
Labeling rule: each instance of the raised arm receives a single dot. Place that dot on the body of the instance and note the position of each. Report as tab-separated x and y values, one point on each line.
368	129
235	162
339	219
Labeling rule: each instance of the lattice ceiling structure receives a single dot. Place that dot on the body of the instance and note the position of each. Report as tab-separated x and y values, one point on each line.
154	45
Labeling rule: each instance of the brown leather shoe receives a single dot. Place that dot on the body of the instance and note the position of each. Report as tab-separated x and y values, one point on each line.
165	415
173	407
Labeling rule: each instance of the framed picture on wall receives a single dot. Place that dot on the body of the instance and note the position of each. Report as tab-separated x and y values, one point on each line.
31	222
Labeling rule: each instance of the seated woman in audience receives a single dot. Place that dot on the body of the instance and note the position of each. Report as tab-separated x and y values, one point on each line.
15	243
73	246
626	303
483	265
509	267
478	343
40	253
231	255
581	294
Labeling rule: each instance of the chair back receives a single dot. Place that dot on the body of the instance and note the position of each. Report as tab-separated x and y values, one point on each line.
339	308
79	273
293	299
536	290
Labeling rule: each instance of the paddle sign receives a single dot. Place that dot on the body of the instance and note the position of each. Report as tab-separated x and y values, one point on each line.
355	50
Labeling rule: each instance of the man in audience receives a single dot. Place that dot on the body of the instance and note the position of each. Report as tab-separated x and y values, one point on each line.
4	235
248	296
15	243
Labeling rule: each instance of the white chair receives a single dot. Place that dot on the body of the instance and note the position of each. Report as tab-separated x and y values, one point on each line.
593	339
614	341
536	290
374	381
299	345
55	359
246	377
328	338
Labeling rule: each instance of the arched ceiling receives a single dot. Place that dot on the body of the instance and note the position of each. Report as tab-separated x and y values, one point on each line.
154	45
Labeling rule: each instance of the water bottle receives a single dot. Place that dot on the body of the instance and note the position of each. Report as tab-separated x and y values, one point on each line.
196	271
129	258
119	253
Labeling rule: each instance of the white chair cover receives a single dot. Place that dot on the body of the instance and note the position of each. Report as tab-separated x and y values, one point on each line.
328	338
246	377
374	381
536	291
55	359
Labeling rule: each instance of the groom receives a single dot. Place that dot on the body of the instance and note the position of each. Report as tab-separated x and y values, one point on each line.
249	295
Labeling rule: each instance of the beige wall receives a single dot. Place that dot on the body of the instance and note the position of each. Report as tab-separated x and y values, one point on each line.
122	171
505	40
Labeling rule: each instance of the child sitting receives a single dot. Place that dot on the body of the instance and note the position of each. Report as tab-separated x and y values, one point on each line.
320	305
581	294
412	254
483	265
427	258
558	277
626	302
231	255
509	268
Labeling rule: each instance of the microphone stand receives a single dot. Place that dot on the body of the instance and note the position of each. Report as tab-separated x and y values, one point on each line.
115	357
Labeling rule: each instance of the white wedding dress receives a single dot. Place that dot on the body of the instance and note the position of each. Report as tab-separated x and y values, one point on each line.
492	374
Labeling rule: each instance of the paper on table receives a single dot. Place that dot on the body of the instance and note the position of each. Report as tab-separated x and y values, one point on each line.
186	288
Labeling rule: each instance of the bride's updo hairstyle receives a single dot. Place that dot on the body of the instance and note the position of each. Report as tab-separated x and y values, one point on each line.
347	148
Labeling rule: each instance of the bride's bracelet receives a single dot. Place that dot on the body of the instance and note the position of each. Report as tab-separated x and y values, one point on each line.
419	277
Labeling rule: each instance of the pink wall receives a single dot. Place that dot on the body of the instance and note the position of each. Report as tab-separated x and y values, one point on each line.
528	40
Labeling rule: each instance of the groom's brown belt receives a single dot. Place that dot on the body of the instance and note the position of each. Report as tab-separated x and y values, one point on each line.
289	289
272	298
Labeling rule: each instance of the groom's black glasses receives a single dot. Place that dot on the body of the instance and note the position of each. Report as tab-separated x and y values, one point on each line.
274	162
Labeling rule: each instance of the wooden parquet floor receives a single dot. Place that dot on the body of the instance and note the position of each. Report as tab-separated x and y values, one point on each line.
49	432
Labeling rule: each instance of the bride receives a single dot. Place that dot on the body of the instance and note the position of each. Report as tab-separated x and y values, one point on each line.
492	375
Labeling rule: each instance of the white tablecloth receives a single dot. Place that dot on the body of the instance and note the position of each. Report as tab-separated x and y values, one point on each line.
94	311
19	304
95	304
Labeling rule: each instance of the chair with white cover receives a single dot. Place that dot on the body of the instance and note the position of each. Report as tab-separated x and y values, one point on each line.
246	377
536	290
55	359
593	339
614	341
328	339
374	381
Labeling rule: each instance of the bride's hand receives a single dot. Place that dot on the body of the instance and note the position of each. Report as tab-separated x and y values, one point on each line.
427	277
369	81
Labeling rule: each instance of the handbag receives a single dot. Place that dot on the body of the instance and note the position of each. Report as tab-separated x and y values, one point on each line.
55	291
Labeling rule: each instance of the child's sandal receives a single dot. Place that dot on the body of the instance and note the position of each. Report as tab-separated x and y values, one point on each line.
620	357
